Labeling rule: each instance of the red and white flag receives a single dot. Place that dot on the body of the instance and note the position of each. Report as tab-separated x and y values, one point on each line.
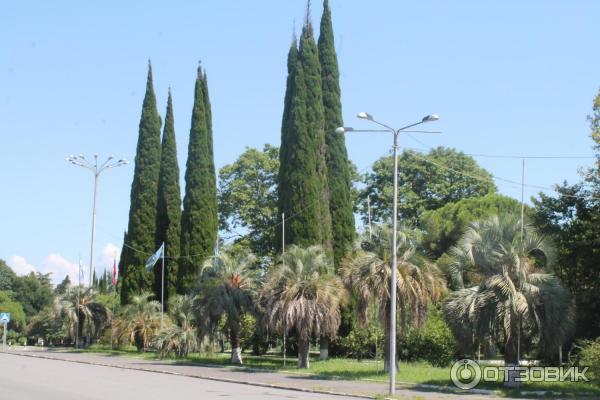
114	274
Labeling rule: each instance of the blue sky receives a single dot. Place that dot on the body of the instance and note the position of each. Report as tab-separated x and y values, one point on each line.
510	77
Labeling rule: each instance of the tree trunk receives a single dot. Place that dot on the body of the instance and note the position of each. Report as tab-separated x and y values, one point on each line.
236	350
303	359
387	339
323	348
511	359
80	320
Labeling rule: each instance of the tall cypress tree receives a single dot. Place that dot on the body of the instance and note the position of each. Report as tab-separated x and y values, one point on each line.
141	229
286	129
303	188
168	218
338	172
199	217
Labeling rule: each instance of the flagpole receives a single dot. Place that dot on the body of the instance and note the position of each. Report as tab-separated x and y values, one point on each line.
113	281
283	259
77	306
162	287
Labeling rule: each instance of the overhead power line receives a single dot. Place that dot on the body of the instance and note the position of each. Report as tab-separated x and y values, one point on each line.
417	154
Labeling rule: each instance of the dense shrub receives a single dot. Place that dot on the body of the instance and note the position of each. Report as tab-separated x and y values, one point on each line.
433	342
360	343
589	356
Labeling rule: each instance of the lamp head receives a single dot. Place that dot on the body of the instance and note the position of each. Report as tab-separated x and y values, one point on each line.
430	118
365	115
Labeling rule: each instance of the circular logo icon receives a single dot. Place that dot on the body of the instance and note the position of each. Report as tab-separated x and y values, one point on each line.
465	374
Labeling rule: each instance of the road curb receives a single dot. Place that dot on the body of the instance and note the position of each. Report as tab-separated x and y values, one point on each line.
206	377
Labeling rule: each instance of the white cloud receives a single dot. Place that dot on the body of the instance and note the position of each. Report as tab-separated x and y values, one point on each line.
54	263
109	253
20	265
60	267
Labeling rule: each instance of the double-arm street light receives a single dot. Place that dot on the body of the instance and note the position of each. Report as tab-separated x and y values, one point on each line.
395	132
96	169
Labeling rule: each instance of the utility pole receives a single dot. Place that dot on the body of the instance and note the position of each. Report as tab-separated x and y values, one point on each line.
96	169
393	283
283	259
522	246
369	214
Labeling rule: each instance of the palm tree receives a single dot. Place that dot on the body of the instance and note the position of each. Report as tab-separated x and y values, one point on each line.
303	294
368	274
228	288
139	322
180	335
82	313
506	289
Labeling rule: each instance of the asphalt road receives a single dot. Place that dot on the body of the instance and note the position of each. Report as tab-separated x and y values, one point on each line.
25	378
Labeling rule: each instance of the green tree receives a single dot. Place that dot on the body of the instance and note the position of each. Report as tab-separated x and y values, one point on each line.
47	325
80	312
444	226
303	191
199	218
338	166
142	212
168	223
180	335
228	289
286	128
34	291
425	182
7	277
62	287
368	276
506	291
248	198
572	220
302	294
139	322
17	315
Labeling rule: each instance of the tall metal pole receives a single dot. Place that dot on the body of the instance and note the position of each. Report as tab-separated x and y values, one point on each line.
162	287
522	247
522	198
96	174
393	283
4	336
394	271
96	169
77	307
369	214
282	258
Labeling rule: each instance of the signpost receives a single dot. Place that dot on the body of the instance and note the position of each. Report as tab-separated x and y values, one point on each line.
5	318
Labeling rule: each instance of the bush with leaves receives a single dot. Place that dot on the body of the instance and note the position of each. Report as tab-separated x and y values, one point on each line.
433	343
179	335
589	356
361	342
138	323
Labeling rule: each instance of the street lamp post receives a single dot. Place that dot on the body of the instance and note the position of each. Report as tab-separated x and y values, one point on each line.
96	169
395	132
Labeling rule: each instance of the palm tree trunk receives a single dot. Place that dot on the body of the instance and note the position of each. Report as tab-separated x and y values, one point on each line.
236	350
303	360
80	321
387	339
323	348
511	359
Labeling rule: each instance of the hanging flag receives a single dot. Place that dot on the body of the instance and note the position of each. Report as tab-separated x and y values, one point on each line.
114	274
152	260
